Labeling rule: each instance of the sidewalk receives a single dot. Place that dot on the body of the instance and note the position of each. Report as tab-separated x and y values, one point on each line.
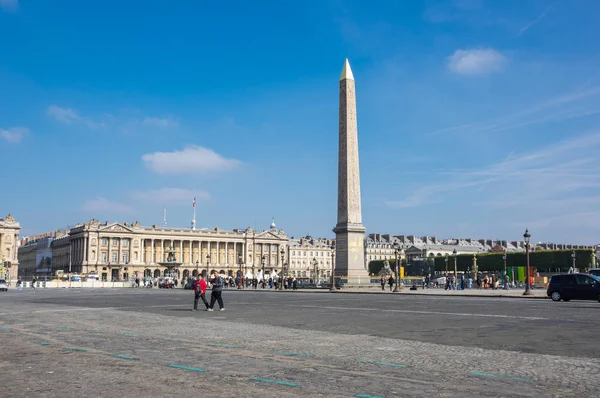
513	293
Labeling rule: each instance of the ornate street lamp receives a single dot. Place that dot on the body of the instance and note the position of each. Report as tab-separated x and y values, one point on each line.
446	261
240	257
396	250
315	264
283	270
333	287
207	266
455	268
264	259
574	257
504	257
594	249
527	237
197	267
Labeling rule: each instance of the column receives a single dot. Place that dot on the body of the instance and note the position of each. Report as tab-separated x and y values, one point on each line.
109	259
152	253
85	249
218	259
181	251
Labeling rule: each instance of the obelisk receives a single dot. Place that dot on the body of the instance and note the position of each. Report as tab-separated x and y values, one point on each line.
349	231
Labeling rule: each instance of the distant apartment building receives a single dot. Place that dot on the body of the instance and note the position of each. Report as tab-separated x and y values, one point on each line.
310	257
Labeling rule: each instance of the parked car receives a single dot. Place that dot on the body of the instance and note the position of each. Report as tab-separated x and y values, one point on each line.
189	284
595	272
3	285
574	287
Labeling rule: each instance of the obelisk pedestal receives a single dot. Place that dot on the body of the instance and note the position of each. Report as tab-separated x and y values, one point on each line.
349	231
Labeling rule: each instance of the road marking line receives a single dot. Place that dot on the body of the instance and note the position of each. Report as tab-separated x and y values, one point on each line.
367	396
281	383
75	349
501	377
124	357
176	340
396	365
5	327
292	353
225	345
172	365
129	335
531	318
43	343
96	331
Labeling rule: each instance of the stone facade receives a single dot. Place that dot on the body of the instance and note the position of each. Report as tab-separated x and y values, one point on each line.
117	251
349	231
309	257
9	246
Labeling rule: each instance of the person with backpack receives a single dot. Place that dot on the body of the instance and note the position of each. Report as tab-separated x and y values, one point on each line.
199	292
217	289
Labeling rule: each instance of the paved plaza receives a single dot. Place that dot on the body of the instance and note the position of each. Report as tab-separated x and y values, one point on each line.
147	342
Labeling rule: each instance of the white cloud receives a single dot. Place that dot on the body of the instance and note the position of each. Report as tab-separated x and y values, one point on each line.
102	205
193	159
538	19
160	122
13	135
9	5
563	177
473	62
65	115
571	105
71	116
173	196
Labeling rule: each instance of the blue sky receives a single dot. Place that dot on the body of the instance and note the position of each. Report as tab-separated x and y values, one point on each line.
476	118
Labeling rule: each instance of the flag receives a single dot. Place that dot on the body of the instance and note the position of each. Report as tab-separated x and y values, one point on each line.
194	202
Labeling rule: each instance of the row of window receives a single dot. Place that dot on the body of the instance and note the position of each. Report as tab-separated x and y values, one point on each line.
312	254
115	242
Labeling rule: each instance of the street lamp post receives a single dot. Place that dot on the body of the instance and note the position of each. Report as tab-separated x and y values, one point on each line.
574	257
446	261
197	267
455	267
207	266
594	249
240	257
528	292
282	277
333	287
504	257
397	288
264	258
315	264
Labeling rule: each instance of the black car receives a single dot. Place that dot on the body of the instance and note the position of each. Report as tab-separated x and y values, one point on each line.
574	287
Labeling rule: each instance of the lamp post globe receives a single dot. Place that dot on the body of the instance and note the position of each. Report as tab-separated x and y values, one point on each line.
526	238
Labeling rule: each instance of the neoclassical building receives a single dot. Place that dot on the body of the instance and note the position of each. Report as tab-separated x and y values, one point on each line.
310	256
9	246
117	251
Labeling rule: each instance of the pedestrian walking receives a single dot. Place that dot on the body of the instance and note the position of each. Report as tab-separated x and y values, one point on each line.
199	292
382	281
217	290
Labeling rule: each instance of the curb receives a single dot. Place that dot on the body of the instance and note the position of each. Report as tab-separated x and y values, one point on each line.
403	293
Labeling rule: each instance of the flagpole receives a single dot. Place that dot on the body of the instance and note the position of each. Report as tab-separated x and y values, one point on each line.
194	217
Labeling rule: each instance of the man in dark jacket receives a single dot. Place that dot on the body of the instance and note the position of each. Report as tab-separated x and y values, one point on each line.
217	289
199	292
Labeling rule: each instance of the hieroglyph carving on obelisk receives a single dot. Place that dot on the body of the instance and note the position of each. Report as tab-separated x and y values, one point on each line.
349	231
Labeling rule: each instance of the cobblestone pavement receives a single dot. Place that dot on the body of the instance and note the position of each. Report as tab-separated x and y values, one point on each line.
71	343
